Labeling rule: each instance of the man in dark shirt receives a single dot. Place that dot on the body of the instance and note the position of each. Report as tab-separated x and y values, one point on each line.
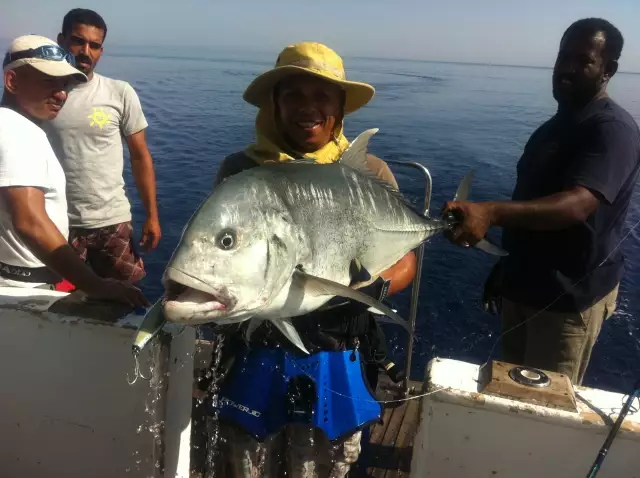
564	224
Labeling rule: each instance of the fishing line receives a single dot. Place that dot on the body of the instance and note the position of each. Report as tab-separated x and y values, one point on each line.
561	295
399	400
415	397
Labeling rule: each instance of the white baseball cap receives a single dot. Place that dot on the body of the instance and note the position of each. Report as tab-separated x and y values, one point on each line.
42	54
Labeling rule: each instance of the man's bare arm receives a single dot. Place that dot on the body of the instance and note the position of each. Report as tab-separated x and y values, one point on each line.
556	211
145	180
553	212
40	234
401	273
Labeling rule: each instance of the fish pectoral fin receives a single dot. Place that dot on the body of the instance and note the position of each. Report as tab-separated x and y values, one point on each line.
490	248
319	286
289	331
392	317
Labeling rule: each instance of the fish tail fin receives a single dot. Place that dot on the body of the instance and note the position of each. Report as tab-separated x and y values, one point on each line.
462	194
490	248
464	188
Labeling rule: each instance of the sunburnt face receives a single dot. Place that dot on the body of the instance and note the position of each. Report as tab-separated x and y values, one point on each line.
39	95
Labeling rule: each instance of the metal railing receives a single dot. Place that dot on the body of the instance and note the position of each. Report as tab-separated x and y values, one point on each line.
415	288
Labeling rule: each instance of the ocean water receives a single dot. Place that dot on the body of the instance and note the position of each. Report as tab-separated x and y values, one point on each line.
449	117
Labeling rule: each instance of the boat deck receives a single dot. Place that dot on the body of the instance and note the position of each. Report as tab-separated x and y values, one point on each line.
387	451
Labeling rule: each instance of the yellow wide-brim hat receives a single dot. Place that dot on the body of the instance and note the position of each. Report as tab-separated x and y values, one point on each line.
313	59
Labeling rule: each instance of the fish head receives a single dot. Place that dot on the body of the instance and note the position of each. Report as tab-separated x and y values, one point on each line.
236	253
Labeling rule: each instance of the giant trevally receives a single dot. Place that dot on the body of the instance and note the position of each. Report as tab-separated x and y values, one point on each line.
279	241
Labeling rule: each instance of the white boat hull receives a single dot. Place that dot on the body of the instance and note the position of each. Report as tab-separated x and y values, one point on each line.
66	408
466	434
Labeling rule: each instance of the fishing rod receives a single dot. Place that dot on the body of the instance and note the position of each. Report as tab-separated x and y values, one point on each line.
597	464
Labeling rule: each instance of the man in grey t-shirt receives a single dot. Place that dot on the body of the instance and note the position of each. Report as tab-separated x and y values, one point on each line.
87	138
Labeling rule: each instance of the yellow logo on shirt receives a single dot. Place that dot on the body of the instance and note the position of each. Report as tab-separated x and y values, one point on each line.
99	117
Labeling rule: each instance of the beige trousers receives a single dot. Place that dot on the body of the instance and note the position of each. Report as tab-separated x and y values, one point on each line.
554	341
301	450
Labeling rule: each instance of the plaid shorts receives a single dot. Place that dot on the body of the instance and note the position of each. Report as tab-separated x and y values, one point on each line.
110	251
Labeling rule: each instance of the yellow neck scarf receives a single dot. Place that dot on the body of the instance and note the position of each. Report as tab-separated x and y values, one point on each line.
270	146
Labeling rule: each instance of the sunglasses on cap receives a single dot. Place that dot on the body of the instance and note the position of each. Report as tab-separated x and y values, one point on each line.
45	52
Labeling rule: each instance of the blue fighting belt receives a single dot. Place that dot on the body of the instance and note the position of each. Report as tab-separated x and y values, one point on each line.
269	388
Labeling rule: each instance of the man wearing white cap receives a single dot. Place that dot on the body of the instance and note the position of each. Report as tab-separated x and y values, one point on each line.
33	210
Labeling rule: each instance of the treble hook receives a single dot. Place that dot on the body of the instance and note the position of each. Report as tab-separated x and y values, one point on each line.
136	371
150	327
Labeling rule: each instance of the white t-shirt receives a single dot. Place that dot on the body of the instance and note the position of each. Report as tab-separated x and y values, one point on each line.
27	159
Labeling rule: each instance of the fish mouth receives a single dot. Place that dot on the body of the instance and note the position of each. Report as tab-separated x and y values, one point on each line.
189	300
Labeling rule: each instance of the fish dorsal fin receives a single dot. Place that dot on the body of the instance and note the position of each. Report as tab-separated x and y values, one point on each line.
393	191
390	189
355	155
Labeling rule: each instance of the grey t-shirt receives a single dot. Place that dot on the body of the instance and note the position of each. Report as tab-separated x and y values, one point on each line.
87	139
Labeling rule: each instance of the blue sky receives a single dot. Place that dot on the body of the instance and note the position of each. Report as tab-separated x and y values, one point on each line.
491	31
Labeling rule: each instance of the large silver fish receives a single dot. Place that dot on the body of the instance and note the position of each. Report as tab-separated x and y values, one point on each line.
279	241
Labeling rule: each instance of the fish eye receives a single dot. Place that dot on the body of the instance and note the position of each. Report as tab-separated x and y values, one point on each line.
226	240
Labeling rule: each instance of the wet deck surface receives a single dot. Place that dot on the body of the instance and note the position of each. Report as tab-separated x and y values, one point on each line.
387	451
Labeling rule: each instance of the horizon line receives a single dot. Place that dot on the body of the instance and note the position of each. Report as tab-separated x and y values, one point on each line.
471	63
363	57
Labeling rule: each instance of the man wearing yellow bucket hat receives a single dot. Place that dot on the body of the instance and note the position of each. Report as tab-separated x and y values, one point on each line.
302	102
